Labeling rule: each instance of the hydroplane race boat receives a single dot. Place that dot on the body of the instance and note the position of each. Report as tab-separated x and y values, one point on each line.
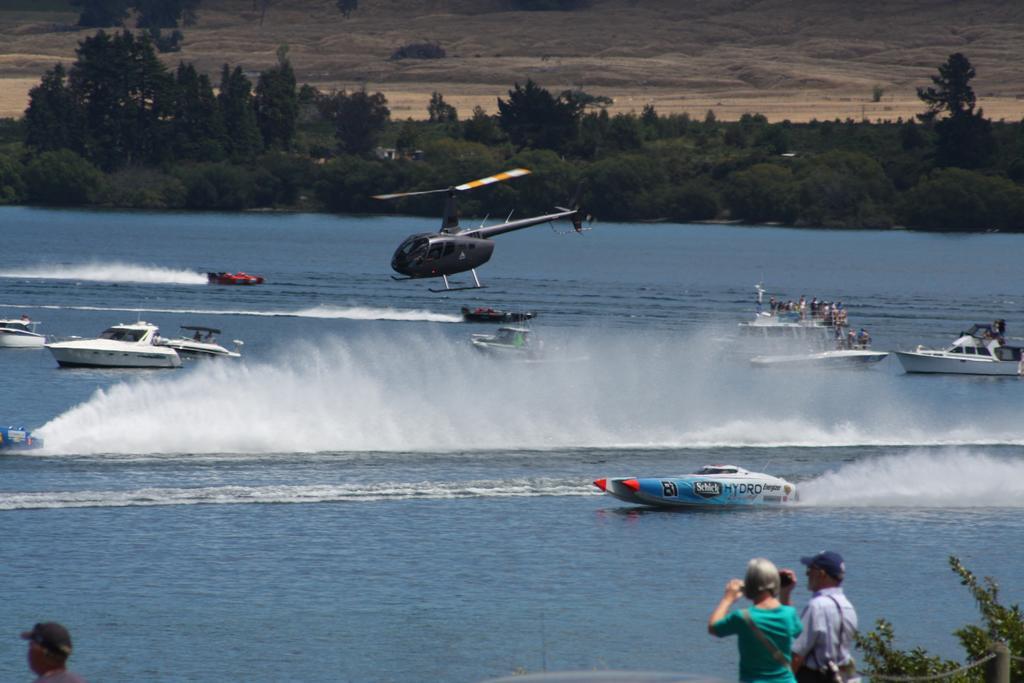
238	278
20	334
18	437
507	342
490	315
838	358
201	344
129	345
980	350
711	486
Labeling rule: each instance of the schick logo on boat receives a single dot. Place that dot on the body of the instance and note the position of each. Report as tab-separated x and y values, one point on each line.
707	489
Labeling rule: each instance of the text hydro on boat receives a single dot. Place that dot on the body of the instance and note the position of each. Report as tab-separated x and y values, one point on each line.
711	486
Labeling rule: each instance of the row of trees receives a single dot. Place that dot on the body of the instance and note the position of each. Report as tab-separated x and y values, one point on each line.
157	138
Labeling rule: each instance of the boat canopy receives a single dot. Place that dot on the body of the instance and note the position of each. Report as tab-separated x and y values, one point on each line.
200	328
719	469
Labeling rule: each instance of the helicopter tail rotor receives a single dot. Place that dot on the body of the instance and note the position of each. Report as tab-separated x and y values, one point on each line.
578	216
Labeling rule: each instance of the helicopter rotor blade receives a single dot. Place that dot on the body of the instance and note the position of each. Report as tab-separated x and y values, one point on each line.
407	194
496	178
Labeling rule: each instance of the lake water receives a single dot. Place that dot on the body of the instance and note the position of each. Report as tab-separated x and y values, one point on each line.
364	498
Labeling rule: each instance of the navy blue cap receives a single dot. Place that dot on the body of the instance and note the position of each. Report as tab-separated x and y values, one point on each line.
829	562
51	636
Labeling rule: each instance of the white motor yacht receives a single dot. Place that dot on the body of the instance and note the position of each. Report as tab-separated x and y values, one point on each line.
980	350
20	334
129	345
201	344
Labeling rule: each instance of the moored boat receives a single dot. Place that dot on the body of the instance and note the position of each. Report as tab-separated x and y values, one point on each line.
128	345
710	486
20	334
201	344
981	350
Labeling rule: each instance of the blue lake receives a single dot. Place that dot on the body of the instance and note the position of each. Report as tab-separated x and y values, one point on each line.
363	497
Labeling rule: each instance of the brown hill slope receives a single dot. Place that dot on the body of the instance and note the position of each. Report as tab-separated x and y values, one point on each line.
794	59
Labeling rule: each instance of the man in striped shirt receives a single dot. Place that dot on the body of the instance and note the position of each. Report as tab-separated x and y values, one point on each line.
829	622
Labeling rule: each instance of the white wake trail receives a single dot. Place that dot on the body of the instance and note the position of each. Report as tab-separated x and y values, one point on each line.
113	271
323	312
284	494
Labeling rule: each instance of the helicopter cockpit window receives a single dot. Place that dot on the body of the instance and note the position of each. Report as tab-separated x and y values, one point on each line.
434	253
449	248
413	244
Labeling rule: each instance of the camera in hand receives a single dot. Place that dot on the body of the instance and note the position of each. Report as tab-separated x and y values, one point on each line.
787	579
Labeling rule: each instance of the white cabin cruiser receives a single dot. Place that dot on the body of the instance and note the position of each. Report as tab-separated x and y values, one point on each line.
201	344
980	350
20	334
128	345
509	342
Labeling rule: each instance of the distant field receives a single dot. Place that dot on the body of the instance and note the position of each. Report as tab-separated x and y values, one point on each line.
783	58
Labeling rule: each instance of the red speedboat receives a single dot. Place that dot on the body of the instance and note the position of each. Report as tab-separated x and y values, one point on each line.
238	278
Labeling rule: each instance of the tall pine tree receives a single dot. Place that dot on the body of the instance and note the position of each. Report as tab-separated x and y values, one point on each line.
236	106
277	103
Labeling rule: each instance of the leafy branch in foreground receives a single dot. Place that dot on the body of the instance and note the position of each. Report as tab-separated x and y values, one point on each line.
999	623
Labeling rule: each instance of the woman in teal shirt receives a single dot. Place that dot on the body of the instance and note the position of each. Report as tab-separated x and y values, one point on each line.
765	651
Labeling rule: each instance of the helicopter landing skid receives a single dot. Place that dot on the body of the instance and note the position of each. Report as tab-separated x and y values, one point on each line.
449	288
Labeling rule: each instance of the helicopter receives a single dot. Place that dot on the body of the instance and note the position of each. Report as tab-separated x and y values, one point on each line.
456	250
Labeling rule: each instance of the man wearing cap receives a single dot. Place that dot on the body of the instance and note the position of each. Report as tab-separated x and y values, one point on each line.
49	646
829	622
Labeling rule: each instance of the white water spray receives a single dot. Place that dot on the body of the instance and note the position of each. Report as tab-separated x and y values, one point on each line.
957	478
411	391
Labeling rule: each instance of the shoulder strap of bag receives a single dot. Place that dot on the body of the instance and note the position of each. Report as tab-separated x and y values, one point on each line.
768	644
841	620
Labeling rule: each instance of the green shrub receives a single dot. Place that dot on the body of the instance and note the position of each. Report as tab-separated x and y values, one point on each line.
62	178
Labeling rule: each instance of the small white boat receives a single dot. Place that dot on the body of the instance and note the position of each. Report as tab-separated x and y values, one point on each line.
201	344
509	342
980	350
129	345
20	334
839	358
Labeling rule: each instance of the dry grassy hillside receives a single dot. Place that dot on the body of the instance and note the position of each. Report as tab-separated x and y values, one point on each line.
794	59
